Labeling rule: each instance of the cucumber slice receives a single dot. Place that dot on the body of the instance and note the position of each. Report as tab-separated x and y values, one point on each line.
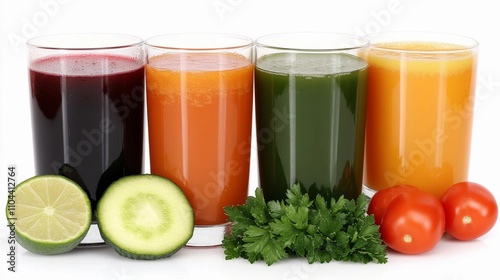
145	217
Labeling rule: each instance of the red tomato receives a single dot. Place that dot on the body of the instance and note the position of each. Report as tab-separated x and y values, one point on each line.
470	209
381	199
413	223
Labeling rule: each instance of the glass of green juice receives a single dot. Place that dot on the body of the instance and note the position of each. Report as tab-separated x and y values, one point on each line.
310	101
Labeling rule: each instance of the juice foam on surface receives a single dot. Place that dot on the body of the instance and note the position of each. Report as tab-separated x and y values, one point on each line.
198	62
86	65
420	46
310	64
203	76
421	56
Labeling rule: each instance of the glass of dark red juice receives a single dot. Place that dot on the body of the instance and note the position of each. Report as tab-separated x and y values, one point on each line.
87	109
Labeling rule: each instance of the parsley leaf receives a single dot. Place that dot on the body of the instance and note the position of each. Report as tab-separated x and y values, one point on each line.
261	244
318	230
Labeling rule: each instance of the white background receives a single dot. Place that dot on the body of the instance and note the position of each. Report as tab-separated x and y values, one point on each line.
450	260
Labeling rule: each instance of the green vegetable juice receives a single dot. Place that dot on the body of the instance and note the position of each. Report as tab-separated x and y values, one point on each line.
310	114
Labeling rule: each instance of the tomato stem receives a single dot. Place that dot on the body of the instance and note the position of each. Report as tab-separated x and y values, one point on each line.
467	220
407	238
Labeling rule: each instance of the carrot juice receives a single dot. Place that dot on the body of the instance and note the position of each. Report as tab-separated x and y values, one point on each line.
200	116
419	115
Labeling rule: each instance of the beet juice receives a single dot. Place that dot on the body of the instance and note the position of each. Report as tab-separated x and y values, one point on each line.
87	117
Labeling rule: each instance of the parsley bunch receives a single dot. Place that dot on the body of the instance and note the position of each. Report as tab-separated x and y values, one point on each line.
317	230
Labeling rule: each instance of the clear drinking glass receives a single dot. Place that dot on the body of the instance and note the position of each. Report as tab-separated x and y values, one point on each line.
87	109
420	110
310	94
200	93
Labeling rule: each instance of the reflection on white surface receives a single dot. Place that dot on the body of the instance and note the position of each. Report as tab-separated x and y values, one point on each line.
450	259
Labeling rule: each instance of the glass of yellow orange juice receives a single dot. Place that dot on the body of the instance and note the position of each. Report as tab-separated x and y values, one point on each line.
199	103
419	110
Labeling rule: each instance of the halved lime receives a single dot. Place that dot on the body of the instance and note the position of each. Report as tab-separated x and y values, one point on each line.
145	217
51	214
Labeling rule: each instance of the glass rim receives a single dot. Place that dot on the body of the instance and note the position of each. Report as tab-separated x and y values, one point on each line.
466	43
357	42
163	42
85	42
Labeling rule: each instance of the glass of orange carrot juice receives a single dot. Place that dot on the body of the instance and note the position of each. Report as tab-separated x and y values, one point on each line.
199	103
419	110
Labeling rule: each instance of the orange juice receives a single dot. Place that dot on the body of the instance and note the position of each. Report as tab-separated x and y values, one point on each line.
419	115
200	117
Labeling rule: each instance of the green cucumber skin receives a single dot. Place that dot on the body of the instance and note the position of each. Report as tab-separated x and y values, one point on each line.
138	255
